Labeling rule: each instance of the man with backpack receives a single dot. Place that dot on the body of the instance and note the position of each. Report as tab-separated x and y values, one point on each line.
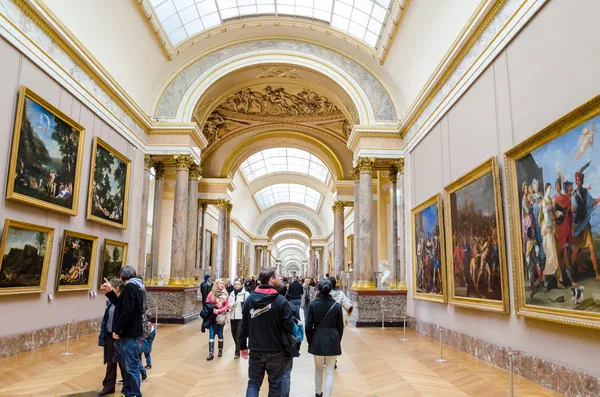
128	327
267	317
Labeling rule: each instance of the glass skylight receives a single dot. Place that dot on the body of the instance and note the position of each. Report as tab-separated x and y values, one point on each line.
287	193
289	231
182	19
284	160
291	242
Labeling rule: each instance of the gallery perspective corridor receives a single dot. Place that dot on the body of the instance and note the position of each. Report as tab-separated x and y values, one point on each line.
374	364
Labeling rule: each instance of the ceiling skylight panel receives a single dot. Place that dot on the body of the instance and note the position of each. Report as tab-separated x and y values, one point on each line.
165	10
207	7
172	24
211	20
178	36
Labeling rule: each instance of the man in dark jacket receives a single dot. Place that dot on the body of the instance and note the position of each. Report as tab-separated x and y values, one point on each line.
205	288
295	293
127	326
266	316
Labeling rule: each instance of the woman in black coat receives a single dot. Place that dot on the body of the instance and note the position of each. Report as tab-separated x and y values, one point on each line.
324	330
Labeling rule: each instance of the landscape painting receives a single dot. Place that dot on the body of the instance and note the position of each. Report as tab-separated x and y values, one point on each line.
26	251
555	183
108	194
46	156
76	262
476	249
114	256
429	265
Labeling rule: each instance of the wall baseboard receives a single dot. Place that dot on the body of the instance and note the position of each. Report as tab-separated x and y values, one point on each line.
564	380
20	343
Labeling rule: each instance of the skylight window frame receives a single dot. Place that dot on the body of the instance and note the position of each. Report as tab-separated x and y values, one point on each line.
276	194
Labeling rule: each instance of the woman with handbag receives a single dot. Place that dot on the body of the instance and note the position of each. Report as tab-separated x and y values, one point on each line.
237	297
324	331
218	297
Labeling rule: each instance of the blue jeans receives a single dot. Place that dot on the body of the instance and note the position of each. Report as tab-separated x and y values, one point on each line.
131	362
215	329
286	376
148	359
260	362
296	303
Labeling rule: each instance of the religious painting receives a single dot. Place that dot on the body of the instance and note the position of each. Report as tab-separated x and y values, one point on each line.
475	244
47	150
26	251
76	262
108	194
114	257
429	264
554	186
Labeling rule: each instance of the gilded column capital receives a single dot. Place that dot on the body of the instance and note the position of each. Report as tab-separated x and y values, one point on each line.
356	173
203	206
229	207
183	162
148	162
223	204
337	206
195	171
393	172
159	170
365	164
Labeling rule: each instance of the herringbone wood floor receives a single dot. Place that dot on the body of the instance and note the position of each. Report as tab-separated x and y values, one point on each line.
374	363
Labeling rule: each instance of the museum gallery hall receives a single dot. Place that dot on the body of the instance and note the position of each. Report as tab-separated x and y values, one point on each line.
432	166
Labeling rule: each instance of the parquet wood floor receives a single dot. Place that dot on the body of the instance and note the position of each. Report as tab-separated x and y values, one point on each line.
374	364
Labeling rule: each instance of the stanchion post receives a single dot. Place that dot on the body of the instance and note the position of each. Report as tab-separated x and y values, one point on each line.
67	352
510	376
156	322
441	359
404	337
382	315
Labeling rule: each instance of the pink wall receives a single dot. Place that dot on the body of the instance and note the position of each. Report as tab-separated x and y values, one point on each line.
549	69
35	311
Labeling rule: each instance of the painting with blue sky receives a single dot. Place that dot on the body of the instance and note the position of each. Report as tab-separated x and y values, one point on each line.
559	190
47	157
428	250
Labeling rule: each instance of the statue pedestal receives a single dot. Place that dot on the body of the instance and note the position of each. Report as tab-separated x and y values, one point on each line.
176	305
368	306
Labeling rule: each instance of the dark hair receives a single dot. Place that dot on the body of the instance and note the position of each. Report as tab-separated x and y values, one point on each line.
128	272
266	273
546	186
324	287
116	284
566	185
206	277
333	282
327	275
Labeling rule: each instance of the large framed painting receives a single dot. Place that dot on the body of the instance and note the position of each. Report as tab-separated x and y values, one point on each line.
475	244
108	194
76	262
429	263
45	161
554	193
26	251
114	257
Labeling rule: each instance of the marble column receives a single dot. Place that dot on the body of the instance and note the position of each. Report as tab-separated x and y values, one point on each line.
356	257
191	235
141	260
365	216
319	263
227	262
257	258
311	263
265	258
180	217
395	265
202	207
159	186
221	239
402	227
338	239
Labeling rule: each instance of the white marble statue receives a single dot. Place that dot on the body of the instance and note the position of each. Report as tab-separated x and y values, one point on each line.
386	273
161	280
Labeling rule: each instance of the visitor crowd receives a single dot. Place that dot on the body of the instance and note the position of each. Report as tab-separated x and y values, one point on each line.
269	316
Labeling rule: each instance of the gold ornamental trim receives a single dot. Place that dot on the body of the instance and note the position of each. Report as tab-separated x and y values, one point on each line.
159	170
223	204
148	162
338	206
365	164
183	162
195	171
356	174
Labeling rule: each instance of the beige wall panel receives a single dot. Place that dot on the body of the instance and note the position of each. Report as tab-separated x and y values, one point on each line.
427	171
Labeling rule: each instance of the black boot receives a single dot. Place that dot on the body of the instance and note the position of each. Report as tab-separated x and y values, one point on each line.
220	348
211	351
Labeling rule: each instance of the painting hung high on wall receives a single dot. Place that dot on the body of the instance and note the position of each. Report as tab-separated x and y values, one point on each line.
429	264
108	194
475	245
46	156
114	257
554	185
26	251
76	262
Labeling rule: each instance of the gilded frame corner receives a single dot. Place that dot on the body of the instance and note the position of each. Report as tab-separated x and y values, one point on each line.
46	264
503	306
90	283
10	188
101	264
576	117
99	142
439	298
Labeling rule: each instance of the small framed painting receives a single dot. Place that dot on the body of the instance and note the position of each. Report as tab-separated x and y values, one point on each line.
114	257
76	262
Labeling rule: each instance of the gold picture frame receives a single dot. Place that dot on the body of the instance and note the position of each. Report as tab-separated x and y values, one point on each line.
105	253
439	218
71	272
40	184
10	238
95	208
566	129
484	175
